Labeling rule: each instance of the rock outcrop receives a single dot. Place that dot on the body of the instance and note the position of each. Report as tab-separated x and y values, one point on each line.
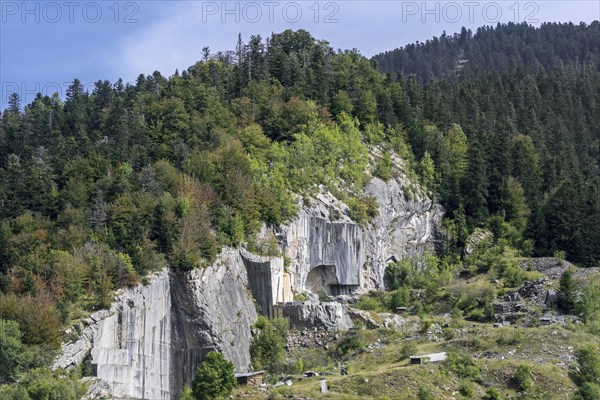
331	253
212	311
328	316
268	281
406	226
149	343
129	346
325	247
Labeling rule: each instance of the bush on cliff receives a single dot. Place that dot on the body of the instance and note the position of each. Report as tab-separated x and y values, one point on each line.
214	379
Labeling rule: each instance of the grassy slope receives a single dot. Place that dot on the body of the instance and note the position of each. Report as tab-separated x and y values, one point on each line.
379	373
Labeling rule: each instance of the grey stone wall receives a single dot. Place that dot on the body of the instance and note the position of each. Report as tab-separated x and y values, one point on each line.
152	339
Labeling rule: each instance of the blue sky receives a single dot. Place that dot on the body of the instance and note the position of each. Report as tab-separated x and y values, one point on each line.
45	44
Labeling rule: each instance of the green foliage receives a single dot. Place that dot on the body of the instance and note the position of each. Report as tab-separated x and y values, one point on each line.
268	347
187	394
299	366
409	348
43	384
476	301
419	272
567	292
588	304
492	394
463	366
363	209
466	388
427	172
368	303
509	269
521	380
399	298
341	103
14	356
15	392
588	359
383	168
425	394
517	210
349	343
587	391
214	378
301	297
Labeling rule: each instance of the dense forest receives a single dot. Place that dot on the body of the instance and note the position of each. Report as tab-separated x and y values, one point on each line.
496	49
100	188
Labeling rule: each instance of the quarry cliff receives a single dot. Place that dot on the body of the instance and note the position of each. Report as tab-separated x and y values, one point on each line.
154	336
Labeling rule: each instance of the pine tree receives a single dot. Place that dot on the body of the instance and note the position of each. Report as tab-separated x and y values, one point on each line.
567	292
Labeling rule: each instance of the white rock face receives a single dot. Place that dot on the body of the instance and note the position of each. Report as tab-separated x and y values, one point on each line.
323	236
212	311
405	227
129	345
318	239
150	342
267	280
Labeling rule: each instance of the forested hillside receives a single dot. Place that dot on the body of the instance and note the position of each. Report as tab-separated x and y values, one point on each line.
496	49
99	189
527	100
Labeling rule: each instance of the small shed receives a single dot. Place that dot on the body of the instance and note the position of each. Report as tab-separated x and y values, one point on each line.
428	358
250	378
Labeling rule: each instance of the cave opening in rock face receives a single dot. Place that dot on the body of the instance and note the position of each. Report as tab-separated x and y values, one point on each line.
321	279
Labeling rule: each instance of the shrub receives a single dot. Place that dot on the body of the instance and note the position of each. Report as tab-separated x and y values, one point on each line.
521	380
214	379
463	365
588	305
368	303
425	394
567	295
43	384
11	392
14	356
409	348
383	168
589	364
588	391
363	209
350	342
267	348
299	366
476	301
187	394
466	388
399	298
492	394
324	298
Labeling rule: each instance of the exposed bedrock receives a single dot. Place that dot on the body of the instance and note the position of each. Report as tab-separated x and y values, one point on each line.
328	316
149	343
330	253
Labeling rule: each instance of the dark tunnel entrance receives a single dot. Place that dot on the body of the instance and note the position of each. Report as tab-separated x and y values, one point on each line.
321	279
